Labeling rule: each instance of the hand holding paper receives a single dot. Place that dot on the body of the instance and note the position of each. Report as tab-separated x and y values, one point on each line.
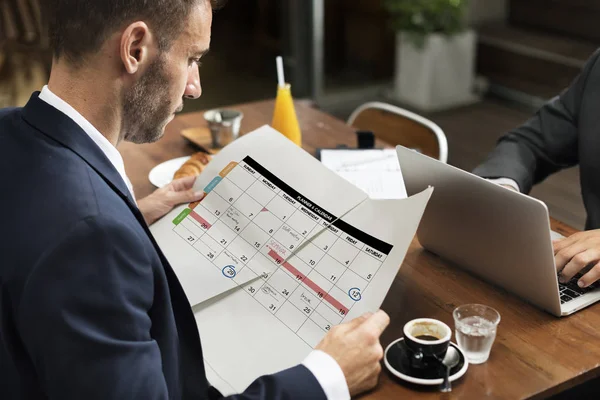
356	348
293	249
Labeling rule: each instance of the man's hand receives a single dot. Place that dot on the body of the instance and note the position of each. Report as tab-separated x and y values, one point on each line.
164	199
356	348
574	253
509	187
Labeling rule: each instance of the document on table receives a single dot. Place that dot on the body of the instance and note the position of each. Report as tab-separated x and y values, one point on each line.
376	172
280	250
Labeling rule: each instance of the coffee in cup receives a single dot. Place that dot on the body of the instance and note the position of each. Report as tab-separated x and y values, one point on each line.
427	341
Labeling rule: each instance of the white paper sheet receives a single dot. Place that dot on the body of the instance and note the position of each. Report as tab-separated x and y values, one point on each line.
376	172
312	251
260	330
207	248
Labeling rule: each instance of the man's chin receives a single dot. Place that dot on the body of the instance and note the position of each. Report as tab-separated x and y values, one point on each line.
147	136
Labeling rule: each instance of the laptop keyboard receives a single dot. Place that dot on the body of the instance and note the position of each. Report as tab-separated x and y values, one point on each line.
570	290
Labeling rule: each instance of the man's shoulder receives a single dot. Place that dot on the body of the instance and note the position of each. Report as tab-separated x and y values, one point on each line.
52	191
62	183
10	121
5	112
50	203
592	66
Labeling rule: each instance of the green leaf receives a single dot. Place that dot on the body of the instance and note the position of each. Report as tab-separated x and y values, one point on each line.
420	18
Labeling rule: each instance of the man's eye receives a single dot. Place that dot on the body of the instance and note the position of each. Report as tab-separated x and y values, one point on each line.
196	61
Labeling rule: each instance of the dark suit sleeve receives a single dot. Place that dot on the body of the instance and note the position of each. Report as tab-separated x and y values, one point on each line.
546	143
296	383
84	321
84	316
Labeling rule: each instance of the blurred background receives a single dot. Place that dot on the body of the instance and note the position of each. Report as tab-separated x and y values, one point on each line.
476	68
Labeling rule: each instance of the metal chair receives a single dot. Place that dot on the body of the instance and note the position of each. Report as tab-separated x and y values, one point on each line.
397	126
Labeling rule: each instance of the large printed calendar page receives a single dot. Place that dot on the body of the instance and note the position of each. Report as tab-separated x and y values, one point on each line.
279	251
216	245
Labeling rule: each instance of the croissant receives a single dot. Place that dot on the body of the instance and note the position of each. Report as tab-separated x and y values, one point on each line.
194	166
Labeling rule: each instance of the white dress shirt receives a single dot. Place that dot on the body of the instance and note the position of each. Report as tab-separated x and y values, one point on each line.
329	374
102	142
506	181
325	369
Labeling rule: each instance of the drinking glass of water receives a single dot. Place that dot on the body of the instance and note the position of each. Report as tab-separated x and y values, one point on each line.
475	329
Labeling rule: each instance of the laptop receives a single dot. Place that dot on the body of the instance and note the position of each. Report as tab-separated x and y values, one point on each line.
500	235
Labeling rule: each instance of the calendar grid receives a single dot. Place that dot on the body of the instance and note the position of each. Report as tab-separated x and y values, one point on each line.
319	265
225	246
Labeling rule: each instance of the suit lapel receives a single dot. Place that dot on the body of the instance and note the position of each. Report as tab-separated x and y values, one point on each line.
62	129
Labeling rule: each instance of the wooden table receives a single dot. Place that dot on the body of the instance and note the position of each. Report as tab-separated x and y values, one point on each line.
536	355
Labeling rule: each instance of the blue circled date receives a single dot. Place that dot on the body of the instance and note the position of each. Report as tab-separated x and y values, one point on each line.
229	271
355	294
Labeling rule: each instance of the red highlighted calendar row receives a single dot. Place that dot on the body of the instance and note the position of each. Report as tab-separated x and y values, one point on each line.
316	288
203	223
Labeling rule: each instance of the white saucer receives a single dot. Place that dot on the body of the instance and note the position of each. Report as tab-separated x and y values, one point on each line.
404	372
162	174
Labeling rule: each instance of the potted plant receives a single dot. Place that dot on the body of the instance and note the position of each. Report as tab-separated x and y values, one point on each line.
435	53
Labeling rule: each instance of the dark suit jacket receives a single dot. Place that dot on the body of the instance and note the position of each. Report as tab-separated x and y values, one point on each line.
89	306
563	133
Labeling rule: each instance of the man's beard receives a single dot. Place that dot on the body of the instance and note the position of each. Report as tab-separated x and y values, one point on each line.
147	108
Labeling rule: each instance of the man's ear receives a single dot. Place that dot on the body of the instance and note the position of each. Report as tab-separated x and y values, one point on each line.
135	46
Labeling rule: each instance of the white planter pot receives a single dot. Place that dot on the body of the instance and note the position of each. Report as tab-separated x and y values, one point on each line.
438	76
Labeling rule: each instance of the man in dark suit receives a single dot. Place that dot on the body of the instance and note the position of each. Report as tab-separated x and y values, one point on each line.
565	132
89	306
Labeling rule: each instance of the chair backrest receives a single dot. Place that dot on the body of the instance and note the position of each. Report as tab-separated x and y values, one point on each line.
397	126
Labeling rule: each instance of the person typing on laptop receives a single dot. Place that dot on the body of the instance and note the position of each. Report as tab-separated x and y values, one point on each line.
563	133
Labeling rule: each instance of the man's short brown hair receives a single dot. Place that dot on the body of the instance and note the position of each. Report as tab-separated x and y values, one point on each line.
78	28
